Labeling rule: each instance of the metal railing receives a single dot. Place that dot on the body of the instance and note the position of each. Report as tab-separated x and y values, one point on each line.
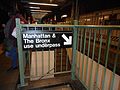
94	55
97	56
37	64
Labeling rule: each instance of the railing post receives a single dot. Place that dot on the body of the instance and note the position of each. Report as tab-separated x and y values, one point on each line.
115	65
20	53
74	52
106	58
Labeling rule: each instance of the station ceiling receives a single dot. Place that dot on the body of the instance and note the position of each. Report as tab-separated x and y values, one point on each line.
85	5
63	5
60	4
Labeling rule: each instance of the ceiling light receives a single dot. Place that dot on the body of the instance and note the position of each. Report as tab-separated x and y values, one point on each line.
37	12
40	11
63	16
46	4
34	7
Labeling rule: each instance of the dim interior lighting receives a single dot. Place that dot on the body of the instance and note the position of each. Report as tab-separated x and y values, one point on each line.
51	1
34	7
40	11
46	4
63	16
88	19
100	18
37	12
106	17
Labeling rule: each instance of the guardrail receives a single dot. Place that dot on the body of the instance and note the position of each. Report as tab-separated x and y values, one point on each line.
97	56
94	55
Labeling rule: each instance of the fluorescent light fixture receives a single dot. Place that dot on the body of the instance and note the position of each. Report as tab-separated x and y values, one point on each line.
87	19
46	4
34	7
101	18
63	16
37	12
106	17
40	11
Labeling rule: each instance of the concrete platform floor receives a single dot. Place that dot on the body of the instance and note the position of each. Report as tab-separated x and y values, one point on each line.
8	79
